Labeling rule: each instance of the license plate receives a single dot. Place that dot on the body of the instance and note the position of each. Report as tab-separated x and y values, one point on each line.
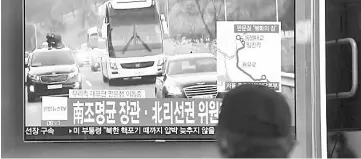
135	78
204	96
138	73
55	86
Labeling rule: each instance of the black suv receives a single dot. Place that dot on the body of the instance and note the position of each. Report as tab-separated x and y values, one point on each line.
52	72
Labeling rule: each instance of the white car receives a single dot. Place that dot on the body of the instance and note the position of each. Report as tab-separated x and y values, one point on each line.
83	57
95	59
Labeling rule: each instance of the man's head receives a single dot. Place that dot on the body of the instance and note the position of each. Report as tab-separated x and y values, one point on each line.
255	122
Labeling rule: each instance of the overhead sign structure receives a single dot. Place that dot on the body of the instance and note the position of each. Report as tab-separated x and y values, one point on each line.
248	53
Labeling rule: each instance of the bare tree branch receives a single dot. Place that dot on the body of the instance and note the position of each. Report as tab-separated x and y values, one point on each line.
214	6
100	2
220	9
205	5
203	20
214	16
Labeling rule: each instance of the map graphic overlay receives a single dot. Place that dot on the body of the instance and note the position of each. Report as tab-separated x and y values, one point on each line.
255	57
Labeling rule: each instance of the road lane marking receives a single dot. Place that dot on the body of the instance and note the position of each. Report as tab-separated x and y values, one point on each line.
88	83
81	76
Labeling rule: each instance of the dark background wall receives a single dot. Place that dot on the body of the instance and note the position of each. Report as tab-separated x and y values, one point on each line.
342	21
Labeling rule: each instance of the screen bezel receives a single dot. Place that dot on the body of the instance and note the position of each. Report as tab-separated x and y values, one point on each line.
13	99
147	139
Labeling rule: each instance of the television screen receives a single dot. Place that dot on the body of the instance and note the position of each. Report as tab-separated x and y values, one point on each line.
155	79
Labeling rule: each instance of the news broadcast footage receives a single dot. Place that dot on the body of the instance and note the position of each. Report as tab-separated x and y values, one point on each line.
148	69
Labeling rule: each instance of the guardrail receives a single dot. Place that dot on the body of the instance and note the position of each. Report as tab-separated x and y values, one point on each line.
288	79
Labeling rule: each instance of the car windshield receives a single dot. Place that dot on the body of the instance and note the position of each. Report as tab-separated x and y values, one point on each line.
52	58
147	15
93	37
128	23
149	41
189	66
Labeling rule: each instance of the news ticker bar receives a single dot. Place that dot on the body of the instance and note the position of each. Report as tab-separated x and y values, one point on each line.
122	133
118	132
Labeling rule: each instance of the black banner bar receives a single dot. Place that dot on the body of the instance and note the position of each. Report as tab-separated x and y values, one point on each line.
119	133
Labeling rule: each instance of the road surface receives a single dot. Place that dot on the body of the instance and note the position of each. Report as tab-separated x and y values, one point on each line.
91	80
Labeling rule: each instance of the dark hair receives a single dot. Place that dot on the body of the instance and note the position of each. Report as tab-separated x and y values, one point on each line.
243	146
255	121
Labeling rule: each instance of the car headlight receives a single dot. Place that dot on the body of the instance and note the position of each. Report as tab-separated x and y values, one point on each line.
34	78
172	88
73	74
160	62
113	65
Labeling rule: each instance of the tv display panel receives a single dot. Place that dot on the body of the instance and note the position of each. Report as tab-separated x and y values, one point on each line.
148	70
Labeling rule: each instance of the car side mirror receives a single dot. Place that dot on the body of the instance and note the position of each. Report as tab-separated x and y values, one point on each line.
26	65
164	77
